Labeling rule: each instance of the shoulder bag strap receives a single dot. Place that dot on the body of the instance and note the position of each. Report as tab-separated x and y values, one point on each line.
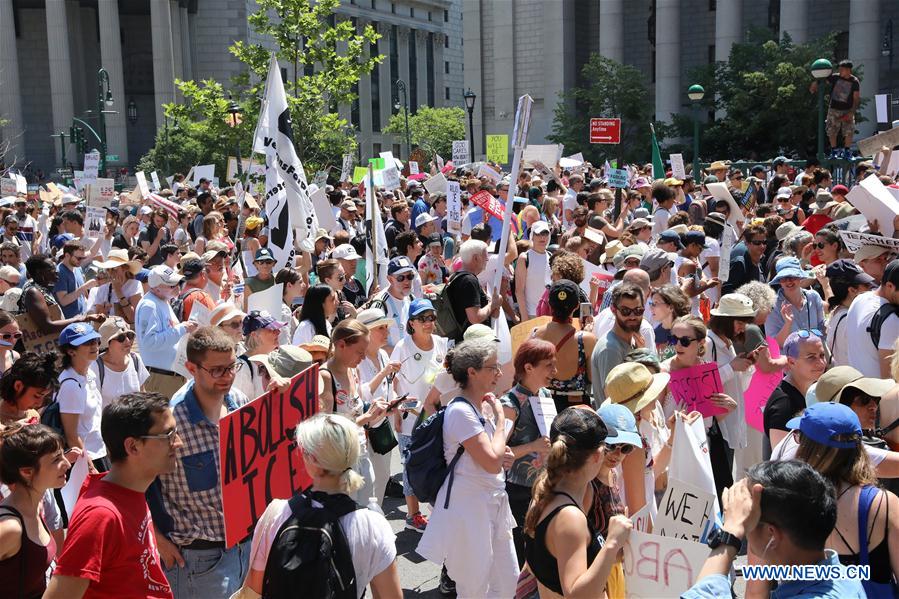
452	465
101	371
836	331
333	389
865	499
565	338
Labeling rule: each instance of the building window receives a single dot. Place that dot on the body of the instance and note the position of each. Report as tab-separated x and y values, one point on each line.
411	12
711	54
446	67
446	41
446	93
354	108
283	74
394	67
431	77
376	149
652	64
413	73
429	15
393	8
445	16
376	93
396	150
713	5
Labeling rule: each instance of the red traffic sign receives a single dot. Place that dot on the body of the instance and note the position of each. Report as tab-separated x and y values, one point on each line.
605	131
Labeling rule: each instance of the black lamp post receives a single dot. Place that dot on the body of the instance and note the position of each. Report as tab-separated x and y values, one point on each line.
470	97
234	109
104	100
401	87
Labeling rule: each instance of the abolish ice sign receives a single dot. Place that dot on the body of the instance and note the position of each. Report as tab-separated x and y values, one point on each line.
605	131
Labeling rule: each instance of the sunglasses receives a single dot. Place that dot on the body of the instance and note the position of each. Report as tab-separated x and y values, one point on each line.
684	341
122	337
341	278
401	278
232	325
806	333
8	336
629	311
428	318
863	399
758	242
623	448
820	245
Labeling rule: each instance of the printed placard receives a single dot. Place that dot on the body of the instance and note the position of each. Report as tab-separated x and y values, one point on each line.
453	203
855	240
259	457
693	387
544	409
7	187
677	166
91	167
142	183
484	199
345	167
102	193
95	221
413	167
391	178
486	171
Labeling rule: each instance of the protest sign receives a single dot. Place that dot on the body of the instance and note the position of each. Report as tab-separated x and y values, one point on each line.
269	300
33	338
498	148
377	164
390	160
690	460
95	221
484	199
544	409
359	173
593	271
142	183
436	184
453	204
548	154
72	488
618	178
677	166
874	201
321	178
642	520
78	180
575	160
439	160
345	167
101	194
259	457
323	210
413	167
155	179
692	387
657	566
231	167
760	389
486	171
460	153
7	187
91	167
21	184
390	177
855	240
728	240
872	145
720	192
205	171
685	512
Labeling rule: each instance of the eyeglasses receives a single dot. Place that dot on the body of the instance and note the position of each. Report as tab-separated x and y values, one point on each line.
169	436
623	448
81	257
820	245
220	371
428	318
684	341
493	367
806	333
8	336
341	278
629	311
122	337
401	278
232	325
758	242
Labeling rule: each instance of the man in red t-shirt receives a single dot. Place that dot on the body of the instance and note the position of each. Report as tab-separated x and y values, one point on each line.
111	549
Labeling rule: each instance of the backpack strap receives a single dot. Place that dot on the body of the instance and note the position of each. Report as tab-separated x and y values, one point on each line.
22	553
333	388
101	370
243	358
883	312
565	339
865	499
452	465
836	330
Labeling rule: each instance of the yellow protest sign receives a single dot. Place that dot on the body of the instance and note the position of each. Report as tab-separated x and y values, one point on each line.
498	148
358	174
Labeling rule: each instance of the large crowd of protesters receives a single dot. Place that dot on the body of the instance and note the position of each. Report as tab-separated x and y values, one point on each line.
627	287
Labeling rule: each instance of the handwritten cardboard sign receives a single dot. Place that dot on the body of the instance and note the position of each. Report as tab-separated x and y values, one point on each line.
693	387
33	338
453	203
484	199
855	240
685	512
657	566
436	184
642	520
677	166
498	148
618	178
874	201
259	456
544	409
460	152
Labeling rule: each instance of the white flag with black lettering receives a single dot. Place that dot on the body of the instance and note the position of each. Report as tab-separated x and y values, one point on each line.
287	202
376	250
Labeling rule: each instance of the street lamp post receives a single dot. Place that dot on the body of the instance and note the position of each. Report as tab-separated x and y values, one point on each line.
696	94
401	87
821	70
470	97
104	99
234	109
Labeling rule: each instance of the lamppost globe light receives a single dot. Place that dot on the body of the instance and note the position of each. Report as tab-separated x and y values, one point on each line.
696	92
470	97
821	68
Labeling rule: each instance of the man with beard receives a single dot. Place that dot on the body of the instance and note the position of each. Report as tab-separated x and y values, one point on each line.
39	302
627	307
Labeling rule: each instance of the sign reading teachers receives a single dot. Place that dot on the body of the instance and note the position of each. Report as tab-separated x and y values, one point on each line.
259	456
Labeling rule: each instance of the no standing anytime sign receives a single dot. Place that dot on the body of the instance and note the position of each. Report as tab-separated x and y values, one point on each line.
605	131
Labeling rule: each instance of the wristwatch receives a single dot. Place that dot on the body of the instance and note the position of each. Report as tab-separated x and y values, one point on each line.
721	537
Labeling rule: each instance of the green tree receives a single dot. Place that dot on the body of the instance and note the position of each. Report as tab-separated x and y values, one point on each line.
432	129
608	89
327	57
763	89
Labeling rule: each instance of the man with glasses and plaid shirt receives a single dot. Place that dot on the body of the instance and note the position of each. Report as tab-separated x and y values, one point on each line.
187	502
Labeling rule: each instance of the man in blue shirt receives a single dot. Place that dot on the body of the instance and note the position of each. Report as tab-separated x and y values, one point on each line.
786	510
70	289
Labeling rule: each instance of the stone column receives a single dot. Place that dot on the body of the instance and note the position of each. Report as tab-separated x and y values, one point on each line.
187	62
365	129
794	20
177	51
668	63
504	98
864	49
60	71
472	71
111	60
439	73
403	39
728	27
12	135
611	29
163	70
83	85
386	78
421	55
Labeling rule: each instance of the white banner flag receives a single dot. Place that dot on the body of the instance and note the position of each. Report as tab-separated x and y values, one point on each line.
287	202
376	250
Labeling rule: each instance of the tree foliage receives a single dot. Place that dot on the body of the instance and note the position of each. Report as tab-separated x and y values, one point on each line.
609	89
326	58
763	89
432	129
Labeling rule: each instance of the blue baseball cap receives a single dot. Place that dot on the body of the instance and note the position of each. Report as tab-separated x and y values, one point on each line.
697	237
57	241
420	305
399	265
77	333
671	236
619	418
261	319
822	422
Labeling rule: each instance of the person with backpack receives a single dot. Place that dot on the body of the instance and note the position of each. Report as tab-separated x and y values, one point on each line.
196	278
465	297
320	543
874	323
470	527
117	368
261	333
25	387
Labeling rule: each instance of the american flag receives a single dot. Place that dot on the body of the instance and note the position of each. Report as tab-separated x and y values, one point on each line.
169	206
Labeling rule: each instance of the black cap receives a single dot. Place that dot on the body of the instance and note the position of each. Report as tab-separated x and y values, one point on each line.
845	63
564	296
891	273
193	267
580	428
847	271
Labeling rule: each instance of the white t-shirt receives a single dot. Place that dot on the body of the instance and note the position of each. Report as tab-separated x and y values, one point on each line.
107	295
371	540
660	222
419	371
116	384
398	311
838	335
306	331
712	250
460	423
863	355
81	395
569	202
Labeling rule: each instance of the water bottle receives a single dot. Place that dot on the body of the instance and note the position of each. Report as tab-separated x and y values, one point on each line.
374	506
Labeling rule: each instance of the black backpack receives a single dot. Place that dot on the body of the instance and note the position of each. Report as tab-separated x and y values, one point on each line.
310	555
883	312
178	302
51	416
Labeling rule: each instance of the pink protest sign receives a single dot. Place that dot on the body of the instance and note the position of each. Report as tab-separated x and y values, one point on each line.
760	389
483	199
693	387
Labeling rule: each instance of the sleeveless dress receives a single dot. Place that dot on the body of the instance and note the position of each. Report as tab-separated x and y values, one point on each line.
572	391
26	570
352	407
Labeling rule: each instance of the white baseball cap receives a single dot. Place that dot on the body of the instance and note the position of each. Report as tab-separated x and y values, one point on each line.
163	275
345	252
